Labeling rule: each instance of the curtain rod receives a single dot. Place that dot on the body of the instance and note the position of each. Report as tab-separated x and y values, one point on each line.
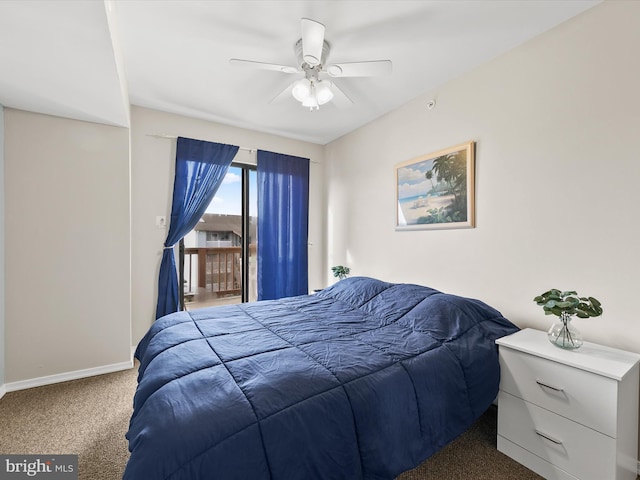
173	137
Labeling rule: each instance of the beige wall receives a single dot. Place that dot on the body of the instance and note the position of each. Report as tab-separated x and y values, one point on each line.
153	162
67	226
557	123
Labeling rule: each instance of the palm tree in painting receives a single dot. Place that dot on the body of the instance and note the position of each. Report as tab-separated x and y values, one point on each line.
429	175
452	169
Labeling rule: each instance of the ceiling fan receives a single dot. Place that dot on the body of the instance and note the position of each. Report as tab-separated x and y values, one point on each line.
312	52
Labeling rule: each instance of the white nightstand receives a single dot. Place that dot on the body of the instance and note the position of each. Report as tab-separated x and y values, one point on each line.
568	414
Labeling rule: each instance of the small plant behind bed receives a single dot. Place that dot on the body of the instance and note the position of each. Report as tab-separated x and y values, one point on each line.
340	271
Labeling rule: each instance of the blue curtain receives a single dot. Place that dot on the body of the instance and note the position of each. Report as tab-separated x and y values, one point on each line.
200	168
283	225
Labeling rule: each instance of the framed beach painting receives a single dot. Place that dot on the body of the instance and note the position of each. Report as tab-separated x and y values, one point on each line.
436	191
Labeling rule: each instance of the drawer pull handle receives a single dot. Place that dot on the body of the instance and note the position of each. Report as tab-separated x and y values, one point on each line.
549	437
546	385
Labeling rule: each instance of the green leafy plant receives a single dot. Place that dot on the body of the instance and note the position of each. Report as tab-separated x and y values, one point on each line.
340	272
562	304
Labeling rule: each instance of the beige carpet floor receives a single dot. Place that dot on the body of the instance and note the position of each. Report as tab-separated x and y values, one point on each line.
89	417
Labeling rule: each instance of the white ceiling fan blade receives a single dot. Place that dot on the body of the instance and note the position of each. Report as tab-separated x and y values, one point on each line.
360	69
264	66
312	41
340	98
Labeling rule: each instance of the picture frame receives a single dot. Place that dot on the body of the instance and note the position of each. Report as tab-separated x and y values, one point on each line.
437	190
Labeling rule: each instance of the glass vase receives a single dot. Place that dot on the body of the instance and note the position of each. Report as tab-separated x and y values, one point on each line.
564	335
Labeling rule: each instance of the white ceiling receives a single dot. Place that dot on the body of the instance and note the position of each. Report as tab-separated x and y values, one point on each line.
89	59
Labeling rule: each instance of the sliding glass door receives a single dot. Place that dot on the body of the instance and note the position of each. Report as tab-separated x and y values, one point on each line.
220	262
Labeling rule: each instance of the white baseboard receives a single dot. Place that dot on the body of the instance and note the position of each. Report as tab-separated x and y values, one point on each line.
65	377
3	390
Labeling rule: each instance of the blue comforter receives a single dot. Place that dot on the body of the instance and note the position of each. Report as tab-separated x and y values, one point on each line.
363	380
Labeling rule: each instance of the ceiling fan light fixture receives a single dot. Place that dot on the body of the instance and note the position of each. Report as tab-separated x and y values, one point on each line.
312	93
323	92
311	102
301	90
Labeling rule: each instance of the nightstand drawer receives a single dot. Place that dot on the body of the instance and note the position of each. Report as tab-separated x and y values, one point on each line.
576	449
582	396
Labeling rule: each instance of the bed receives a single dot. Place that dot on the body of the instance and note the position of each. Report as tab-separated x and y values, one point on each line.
362	380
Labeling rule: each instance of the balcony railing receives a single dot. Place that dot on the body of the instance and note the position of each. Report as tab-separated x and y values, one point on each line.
215	269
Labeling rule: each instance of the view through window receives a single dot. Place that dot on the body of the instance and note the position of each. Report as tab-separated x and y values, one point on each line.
217	256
